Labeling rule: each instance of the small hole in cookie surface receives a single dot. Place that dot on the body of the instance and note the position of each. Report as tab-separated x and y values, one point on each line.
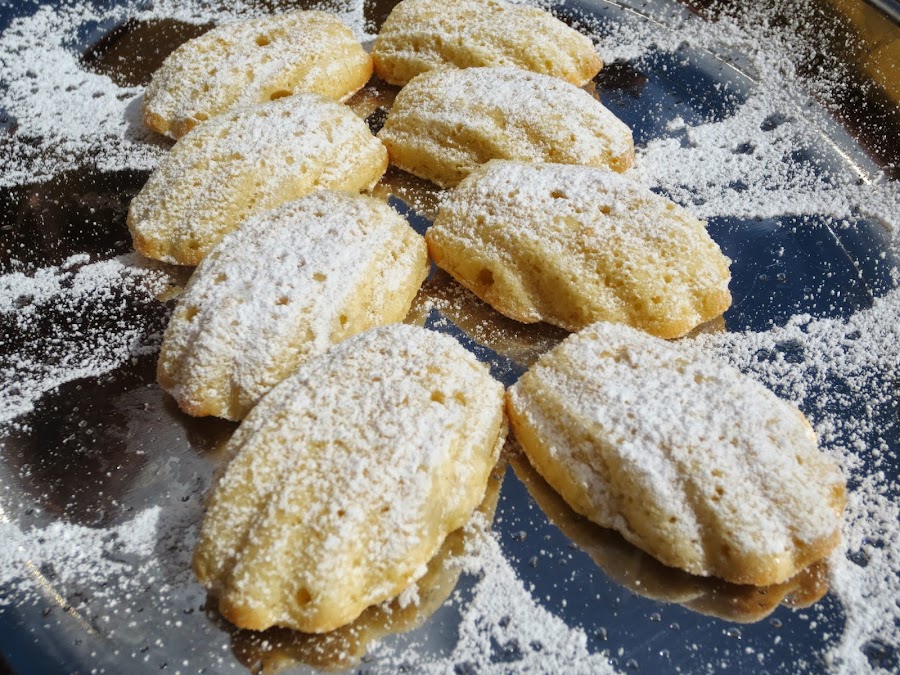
262	40
438	396
303	597
191	312
486	277
318	276
281	93
283	300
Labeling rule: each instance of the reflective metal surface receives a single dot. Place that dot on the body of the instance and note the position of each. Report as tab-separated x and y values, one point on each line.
95	452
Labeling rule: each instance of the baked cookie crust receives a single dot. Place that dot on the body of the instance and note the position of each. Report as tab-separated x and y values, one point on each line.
349	476
423	35
287	284
690	460
254	61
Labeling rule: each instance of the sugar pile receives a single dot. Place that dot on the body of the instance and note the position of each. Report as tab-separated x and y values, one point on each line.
744	165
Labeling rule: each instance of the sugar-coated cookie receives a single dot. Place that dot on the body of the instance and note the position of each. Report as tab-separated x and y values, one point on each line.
689	459
571	245
348	477
345	647
249	160
444	123
254	61
287	284
644	575
423	35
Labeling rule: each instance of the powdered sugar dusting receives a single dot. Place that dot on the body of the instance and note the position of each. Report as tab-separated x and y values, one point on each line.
86	317
251	62
400	430
840	361
697	439
246	161
446	122
503	612
334	265
53	351
612	248
65	116
76	548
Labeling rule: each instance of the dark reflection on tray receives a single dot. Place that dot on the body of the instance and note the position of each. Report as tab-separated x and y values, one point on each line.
642	574
74	456
668	86
277	649
522	343
67	331
79	211
792	265
420	197
82	451
113	54
207	436
622	77
376	12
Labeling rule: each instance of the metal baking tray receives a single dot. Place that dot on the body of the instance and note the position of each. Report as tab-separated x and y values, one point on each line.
96	452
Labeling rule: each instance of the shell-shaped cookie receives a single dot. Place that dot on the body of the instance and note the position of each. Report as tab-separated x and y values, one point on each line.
287	284
689	459
444	123
644	575
249	160
422	35
254	61
345	647
348	477
571	245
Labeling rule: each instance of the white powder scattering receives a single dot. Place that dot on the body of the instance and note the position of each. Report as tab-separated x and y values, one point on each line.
71	321
77	554
842	360
63	116
715	180
66	116
504	612
747	164
502	619
755	148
